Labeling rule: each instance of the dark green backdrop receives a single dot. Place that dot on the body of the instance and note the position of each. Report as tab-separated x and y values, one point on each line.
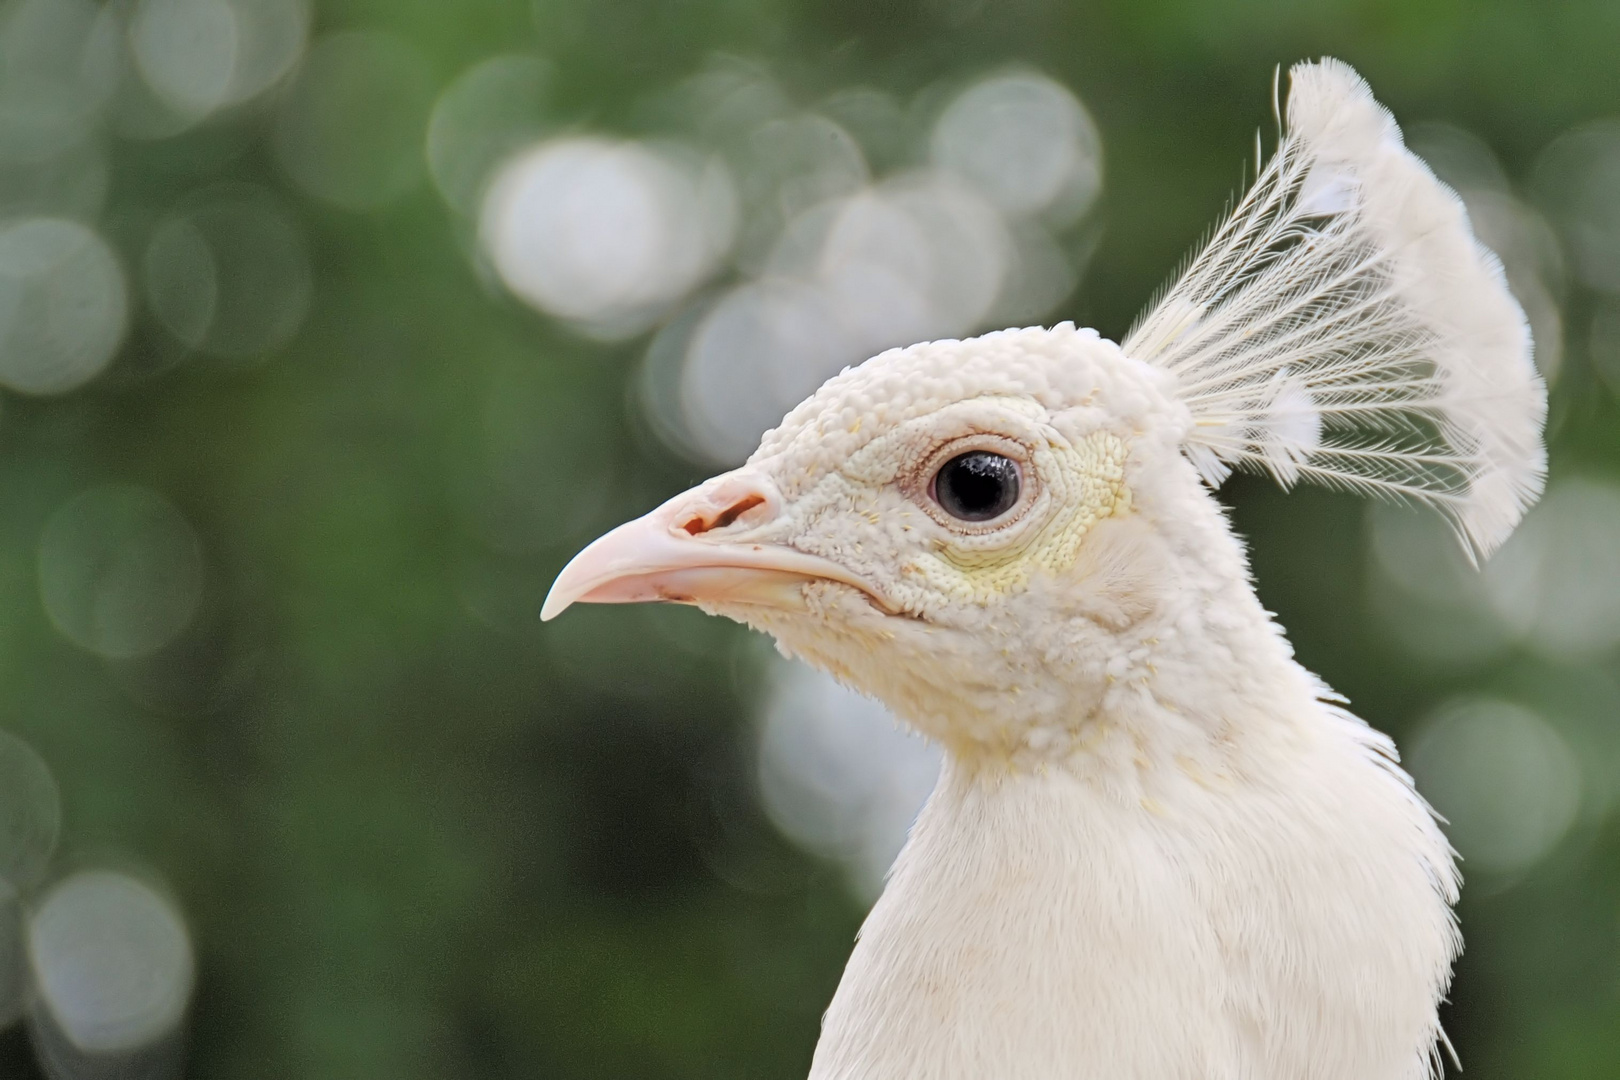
418	834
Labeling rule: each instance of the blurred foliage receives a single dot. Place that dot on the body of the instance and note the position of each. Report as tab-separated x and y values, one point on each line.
417	834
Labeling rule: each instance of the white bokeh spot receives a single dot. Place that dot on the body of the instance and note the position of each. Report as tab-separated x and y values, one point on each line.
838	774
607	234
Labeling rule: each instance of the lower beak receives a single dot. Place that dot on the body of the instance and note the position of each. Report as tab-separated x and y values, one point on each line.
693	550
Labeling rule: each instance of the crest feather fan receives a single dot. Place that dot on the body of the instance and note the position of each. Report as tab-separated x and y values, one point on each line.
1343	325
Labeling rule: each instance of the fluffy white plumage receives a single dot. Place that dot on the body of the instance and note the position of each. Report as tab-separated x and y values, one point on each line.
1344	325
1160	849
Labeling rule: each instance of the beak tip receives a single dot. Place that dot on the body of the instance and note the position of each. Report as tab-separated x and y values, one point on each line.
572	582
556	603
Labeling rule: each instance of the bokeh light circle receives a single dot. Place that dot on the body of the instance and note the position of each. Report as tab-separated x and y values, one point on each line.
754	355
803	160
606	233
786	166
1504	778
1429	598
30	815
1459	157
879	122
186	51
1025	141
1557	579
483	117
112	961
120	571
1039	276
1533	262
1577	179
198	56
63	305
59	65
230	275
915	258
839	776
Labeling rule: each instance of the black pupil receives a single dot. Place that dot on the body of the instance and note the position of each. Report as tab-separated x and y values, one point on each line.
977	485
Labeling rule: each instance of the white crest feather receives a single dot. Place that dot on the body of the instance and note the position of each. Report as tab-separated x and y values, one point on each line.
1343	325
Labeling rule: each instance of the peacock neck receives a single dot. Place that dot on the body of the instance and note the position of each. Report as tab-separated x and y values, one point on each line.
1029	926
1132	914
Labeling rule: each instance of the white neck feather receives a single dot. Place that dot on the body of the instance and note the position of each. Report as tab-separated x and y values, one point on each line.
1263	899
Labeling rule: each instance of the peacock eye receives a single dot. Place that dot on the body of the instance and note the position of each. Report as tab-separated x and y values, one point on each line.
977	485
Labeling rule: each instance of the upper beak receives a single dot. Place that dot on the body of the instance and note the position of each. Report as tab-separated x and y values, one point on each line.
688	551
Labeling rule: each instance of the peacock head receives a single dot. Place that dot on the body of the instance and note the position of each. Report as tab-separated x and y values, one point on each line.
929	524
988	534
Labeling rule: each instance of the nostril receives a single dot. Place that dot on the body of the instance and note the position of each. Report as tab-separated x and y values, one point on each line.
698	524
737	510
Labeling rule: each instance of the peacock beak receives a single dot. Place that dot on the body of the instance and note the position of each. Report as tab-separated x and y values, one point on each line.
696	549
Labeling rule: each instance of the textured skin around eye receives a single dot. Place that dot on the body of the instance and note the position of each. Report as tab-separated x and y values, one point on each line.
1085	482
977	486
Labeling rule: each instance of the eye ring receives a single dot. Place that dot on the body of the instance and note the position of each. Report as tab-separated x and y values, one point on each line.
925	491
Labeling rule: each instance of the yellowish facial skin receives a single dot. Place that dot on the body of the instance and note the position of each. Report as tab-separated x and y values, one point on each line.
1087	483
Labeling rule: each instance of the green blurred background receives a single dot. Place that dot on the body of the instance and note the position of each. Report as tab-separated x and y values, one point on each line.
329	333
